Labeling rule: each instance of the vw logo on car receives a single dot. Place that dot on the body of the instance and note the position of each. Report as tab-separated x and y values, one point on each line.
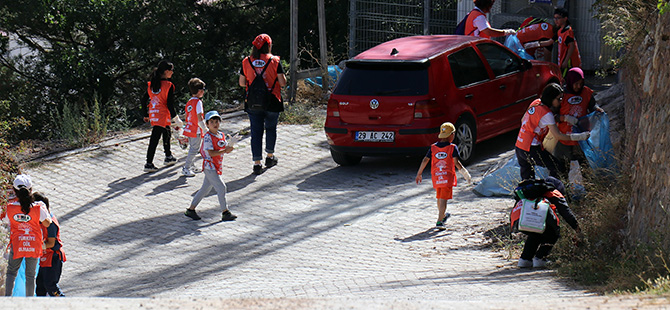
374	104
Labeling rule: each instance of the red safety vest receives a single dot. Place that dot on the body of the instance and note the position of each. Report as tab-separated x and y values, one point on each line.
191	128
219	144
575	59
529	122
442	168
159	115
576	106
47	255
26	236
470	26
269	76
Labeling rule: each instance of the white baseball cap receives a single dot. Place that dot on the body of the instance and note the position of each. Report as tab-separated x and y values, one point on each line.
23	180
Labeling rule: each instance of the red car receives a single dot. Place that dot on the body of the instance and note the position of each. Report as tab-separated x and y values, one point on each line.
392	98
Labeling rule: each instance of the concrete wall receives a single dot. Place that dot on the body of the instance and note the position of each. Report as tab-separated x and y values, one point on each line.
647	76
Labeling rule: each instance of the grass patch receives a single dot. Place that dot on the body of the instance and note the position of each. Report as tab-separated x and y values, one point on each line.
309	107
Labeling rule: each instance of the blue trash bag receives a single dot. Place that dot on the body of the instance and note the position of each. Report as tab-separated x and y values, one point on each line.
20	282
503	181
513	43
333	74
598	147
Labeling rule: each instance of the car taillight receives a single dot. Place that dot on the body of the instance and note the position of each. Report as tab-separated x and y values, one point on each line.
333	108
427	109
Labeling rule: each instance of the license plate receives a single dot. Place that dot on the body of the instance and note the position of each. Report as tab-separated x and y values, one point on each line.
375	136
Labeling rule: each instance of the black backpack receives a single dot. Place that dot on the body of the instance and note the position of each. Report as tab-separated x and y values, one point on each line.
533	189
258	95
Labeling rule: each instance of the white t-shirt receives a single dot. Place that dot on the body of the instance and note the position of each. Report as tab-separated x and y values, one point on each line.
480	23
198	106
44	214
545	121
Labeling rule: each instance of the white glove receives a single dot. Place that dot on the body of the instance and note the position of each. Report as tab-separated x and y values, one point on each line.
202	125
509	31
177	121
580	136
570	119
466	175
234	139
530	45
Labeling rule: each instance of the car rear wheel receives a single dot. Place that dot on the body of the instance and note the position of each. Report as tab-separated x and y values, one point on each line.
466	135
344	159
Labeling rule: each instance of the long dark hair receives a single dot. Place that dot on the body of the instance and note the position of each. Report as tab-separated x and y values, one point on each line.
550	92
256	53
485	5
25	197
157	74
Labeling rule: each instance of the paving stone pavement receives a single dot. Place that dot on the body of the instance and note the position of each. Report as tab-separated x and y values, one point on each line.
307	229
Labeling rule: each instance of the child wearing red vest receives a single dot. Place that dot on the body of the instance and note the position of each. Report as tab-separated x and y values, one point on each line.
194	127
568	51
51	262
443	156
25	217
214	145
578	101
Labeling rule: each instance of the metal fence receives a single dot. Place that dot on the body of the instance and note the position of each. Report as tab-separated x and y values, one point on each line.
375	21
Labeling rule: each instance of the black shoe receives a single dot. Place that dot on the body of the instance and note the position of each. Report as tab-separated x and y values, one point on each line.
191	213
271	161
258	169
57	294
227	216
149	167
170	160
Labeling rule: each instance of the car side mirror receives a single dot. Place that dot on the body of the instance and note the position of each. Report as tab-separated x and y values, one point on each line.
526	64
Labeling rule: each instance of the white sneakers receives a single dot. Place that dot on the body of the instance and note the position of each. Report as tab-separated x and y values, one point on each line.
535	263
524	263
187	173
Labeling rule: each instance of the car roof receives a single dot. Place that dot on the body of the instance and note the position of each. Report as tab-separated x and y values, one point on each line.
415	48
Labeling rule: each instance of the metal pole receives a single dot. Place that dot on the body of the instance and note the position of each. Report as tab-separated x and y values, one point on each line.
294	50
352	28
323	47
426	17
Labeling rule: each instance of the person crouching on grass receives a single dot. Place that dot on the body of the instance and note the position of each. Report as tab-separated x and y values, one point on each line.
443	156
213	147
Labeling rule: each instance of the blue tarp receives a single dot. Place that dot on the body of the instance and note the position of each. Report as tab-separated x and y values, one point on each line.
333	74
513	43
502	181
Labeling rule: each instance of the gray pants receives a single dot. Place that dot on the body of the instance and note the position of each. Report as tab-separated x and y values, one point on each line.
212	179
13	266
193	149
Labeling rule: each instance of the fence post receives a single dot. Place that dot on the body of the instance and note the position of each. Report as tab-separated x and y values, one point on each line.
294	50
323	46
426	17
352	28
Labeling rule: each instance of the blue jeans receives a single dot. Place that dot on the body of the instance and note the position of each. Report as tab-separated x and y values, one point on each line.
263	121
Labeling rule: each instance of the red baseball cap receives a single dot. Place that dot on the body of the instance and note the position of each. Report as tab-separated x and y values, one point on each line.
261	39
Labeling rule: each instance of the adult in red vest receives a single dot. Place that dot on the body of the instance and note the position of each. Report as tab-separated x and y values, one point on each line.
568	51
477	25
538	40
535	124
261	54
578	101
25	218
158	108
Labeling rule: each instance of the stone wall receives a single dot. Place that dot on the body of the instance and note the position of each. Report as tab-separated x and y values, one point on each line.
647	143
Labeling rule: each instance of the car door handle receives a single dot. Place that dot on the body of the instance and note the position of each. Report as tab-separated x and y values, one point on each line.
503	86
469	96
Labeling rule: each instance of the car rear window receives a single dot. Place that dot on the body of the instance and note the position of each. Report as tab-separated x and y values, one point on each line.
466	67
383	79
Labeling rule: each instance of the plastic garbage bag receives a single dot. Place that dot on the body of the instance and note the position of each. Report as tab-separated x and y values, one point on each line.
333	74
503	180
513	43
598	148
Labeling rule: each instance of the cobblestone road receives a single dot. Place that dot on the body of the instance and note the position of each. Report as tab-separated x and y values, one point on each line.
306	229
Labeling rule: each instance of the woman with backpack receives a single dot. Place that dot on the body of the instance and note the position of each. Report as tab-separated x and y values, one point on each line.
263	77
